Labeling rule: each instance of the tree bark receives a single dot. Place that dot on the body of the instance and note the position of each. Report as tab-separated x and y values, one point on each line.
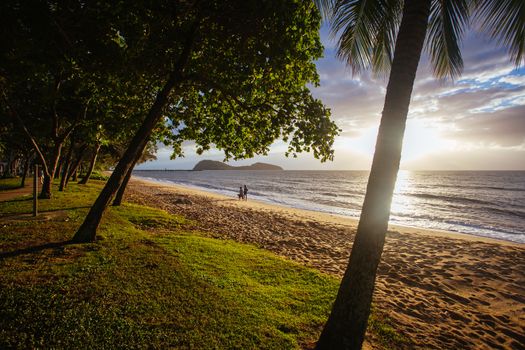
65	168
49	172
88	230
92	163
73	169
60	166
346	325
120	193
24	174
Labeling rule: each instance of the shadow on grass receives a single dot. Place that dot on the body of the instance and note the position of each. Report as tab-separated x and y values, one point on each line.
39	216
34	249
64	209
22	199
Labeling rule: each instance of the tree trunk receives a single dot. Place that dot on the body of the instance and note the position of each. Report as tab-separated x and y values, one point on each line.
88	230
73	171
86	177
60	166
24	174
346	325
122	188
49	173
65	168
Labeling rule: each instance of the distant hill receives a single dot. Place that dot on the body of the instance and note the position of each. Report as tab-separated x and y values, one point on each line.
214	165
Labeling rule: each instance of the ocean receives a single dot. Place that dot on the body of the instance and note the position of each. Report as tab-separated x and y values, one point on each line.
482	203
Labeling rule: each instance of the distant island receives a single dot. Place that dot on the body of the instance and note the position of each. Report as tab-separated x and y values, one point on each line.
215	165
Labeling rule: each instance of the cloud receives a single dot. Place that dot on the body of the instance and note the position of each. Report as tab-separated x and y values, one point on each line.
482	113
505	128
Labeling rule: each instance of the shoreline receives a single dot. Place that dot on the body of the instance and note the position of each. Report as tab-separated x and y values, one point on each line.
329	217
441	290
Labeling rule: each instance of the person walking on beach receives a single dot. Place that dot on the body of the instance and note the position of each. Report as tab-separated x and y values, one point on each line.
241	193
245	193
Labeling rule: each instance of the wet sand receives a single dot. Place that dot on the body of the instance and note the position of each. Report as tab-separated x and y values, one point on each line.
441	290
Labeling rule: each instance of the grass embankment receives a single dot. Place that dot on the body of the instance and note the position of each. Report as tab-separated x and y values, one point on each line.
147	283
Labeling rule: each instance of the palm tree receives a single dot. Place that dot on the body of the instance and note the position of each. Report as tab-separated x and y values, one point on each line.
390	35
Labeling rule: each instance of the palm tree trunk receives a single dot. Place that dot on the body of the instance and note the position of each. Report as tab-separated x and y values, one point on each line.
120	193
92	163
346	326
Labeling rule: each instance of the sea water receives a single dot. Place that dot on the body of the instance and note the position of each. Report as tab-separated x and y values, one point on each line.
483	203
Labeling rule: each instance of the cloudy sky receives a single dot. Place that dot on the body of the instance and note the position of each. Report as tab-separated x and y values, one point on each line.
474	123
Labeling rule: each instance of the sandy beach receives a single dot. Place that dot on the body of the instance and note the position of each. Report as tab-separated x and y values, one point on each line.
442	290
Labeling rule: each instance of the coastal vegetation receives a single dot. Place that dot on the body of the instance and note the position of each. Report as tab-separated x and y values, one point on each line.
150	281
83	83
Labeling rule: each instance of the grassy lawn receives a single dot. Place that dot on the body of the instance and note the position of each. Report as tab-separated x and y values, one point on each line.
11	183
148	283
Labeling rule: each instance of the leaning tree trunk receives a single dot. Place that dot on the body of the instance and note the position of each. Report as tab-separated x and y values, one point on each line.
88	230
73	169
346	326
120	194
65	168
92	163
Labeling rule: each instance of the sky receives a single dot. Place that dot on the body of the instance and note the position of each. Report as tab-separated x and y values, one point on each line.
476	122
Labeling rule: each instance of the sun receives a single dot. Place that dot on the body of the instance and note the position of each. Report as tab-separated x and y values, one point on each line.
422	139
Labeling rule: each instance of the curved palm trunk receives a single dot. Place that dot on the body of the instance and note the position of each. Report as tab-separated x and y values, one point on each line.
92	163
346	326
120	194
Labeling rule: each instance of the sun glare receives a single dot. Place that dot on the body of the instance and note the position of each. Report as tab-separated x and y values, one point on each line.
420	140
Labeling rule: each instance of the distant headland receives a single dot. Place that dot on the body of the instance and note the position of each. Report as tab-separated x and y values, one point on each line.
215	165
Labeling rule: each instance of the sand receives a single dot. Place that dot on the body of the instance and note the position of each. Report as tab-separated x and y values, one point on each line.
441	290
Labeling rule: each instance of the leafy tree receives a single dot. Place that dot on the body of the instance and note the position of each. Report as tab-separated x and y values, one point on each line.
241	65
390	35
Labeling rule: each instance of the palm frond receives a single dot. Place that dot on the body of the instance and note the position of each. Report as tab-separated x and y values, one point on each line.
447	22
325	7
367	32
505	21
383	52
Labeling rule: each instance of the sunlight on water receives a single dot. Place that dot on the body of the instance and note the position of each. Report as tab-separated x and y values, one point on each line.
490	204
401	203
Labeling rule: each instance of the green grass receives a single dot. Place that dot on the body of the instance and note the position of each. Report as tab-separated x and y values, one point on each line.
10	183
148	283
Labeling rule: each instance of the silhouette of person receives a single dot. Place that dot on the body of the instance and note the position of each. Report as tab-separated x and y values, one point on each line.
241	193
245	193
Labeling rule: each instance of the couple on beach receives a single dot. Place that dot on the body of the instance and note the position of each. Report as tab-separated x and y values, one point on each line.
243	193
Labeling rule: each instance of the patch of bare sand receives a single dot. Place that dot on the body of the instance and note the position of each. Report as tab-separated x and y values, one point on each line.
441	290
